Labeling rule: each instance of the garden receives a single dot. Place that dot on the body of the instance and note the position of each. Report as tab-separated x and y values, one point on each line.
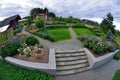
25	48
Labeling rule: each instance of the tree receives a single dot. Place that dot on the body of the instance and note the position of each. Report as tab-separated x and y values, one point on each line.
39	22
36	11
107	24
29	20
45	10
51	14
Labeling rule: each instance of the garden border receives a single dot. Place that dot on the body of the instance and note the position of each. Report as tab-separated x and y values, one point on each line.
96	62
46	67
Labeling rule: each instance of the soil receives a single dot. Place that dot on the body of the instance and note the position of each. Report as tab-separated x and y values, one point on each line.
40	58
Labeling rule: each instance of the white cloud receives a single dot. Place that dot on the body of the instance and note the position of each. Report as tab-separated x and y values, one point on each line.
75	8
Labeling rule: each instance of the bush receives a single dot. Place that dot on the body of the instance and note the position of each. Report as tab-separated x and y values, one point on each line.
17	31
56	27
97	45
31	41
9	49
45	36
39	23
80	25
117	75
117	56
10	72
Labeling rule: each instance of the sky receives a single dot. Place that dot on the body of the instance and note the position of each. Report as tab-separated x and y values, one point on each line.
94	10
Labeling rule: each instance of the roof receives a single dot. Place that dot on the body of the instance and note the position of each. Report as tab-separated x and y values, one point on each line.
4	28
8	20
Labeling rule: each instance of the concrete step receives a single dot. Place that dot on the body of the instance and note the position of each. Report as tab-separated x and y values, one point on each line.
69	54
67	72
76	66
70	58
72	62
69	51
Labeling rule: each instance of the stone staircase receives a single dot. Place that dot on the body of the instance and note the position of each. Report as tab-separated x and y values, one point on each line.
71	61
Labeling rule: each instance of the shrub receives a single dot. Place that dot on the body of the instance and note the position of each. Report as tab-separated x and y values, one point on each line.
117	75
39	23
45	36
9	49
80	25
117	56
31	41
97	45
17	31
56	27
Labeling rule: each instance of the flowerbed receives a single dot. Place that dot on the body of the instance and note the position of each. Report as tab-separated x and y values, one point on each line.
96	44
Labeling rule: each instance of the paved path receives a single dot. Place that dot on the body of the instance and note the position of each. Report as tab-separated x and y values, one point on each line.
104	72
74	36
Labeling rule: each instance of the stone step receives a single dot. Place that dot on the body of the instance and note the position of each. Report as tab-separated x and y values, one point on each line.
72	62
70	58
72	66
69	54
67	72
69	51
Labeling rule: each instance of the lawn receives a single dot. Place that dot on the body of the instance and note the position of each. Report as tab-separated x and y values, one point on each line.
117	75
80	31
59	34
11	72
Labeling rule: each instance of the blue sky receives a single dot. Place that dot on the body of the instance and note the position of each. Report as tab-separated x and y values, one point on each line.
92	9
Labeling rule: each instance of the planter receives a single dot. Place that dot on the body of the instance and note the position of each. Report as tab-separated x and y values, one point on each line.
98	61
49	67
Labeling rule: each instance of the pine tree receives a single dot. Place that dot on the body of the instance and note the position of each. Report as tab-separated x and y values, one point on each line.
107	24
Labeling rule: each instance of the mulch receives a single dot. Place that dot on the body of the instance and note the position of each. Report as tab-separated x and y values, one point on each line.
40	58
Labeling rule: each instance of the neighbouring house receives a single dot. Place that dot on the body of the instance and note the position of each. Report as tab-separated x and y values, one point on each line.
44	16
91	23
6	28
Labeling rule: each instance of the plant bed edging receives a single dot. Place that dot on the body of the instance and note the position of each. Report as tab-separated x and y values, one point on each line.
46	67
96	62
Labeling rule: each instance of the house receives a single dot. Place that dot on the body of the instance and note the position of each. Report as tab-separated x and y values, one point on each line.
91	23
44	16
6	28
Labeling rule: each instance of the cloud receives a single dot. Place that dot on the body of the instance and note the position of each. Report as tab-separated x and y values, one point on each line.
75	8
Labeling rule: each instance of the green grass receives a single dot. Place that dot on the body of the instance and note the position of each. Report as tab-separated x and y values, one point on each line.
80	31
117	56
11	72
59	34
117	75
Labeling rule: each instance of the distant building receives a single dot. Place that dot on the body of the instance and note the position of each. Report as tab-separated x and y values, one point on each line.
7	26
91	23
44	16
